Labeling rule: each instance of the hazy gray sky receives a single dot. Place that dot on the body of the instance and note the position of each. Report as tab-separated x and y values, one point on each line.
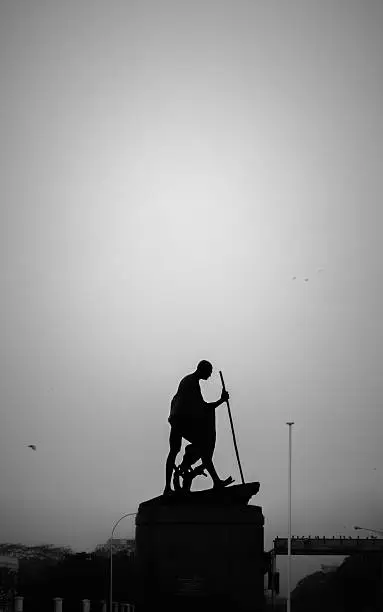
167	168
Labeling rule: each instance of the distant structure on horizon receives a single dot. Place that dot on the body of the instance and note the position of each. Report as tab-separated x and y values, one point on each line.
127	545
328	546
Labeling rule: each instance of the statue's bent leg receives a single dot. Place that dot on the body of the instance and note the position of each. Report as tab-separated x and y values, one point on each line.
204	441
191	455
207	451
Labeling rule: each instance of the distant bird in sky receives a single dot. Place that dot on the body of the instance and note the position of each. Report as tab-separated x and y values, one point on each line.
306	279
32	446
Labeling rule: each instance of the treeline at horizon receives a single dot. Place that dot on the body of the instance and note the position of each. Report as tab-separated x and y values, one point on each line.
48	571
355	586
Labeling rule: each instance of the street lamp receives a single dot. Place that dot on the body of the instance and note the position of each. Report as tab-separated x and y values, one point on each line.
111	559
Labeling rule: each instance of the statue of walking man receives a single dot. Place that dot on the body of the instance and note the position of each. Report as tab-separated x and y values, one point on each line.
193	419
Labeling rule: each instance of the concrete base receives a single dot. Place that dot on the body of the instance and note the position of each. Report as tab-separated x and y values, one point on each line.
203	551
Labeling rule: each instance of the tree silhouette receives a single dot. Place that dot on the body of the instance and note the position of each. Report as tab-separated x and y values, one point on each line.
356	586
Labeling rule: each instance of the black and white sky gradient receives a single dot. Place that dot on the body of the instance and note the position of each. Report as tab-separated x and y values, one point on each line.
167	168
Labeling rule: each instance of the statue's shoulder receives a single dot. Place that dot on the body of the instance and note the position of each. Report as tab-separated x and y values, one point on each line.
188	382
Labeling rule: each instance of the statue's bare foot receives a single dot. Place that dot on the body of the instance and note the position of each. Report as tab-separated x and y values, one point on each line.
199	471
223	483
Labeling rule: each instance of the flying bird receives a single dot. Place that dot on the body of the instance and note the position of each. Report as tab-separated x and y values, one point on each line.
306	279
32	446
294	277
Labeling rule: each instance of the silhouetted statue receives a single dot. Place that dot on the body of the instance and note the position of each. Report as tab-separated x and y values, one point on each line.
193	419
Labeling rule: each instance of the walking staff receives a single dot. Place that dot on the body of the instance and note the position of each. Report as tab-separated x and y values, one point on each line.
232	429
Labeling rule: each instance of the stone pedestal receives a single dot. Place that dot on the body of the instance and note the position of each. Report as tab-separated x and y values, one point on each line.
201	551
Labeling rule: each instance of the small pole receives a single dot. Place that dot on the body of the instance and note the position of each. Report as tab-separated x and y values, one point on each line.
85	605
232	430
58	604
290	424
18	603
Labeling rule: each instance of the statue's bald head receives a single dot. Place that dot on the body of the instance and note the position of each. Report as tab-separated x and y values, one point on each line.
204	369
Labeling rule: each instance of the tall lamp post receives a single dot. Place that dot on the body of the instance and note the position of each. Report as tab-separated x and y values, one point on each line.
290	424
111	559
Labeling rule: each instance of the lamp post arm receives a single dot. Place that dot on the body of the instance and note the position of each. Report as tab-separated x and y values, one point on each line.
120	519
